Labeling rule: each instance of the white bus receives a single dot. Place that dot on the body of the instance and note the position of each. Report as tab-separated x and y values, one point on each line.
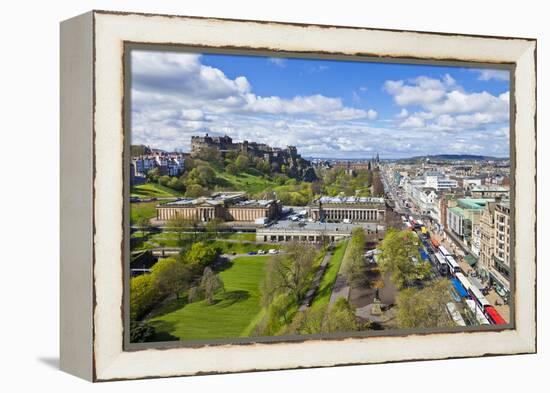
444	250
455	314
478	313
453	266
464	281
440	258
476	294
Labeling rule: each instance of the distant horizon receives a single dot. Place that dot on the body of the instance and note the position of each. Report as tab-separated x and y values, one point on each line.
326	108
359	158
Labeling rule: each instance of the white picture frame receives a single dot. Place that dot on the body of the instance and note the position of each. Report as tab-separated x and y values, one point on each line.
92	203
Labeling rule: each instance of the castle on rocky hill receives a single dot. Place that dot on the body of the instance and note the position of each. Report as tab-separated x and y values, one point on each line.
297	167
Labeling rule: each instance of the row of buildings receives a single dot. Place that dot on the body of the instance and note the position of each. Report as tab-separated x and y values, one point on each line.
470	204
169	164
225	206
326	218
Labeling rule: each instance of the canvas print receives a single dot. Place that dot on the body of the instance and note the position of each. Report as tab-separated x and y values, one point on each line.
275	197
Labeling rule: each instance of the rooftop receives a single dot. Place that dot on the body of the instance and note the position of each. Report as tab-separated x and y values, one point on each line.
457	210
473	204
348	200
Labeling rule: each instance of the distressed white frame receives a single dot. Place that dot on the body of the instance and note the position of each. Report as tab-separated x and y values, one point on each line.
110	30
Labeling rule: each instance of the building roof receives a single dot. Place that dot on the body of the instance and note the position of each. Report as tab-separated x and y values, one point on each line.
327	200
457	210
255	203
473	204
493	188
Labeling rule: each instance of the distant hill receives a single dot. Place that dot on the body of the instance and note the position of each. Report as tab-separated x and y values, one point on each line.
454	157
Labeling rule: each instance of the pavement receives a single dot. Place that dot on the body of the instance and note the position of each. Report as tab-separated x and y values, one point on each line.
316	282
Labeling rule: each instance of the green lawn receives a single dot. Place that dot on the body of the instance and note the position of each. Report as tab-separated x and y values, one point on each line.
142	209
241	248
325	288
153	190
251	181
234	313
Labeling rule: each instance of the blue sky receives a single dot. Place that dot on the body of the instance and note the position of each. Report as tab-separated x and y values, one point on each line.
327	108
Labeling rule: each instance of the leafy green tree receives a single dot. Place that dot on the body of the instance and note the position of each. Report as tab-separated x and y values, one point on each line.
212	228
211	283
180	225
377	186
340	317
164	180
171	277
195	191
399	256
424	308
143	295
242	162
153	174
232	169
141	331
144	225
176	184
201	255
353	260
289	272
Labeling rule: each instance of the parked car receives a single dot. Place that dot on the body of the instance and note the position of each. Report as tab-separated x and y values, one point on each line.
261	252
251	253
273	251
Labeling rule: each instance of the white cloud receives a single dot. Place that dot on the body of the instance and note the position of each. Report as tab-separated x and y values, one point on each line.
423	91
192	114
499	75
404	113
175	96
446	105
278	61
412	122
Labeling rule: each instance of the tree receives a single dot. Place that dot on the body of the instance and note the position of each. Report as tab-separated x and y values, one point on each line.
180	225
211	283
144	225
141	332
176	184
195	191
200	255
289	272
424	308
377	186
242	162
143	295
353	260
340	317
153	174
399	251
232	169
212	227
164	180
171	277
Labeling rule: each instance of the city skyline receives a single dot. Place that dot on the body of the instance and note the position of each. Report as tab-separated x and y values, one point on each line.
326	108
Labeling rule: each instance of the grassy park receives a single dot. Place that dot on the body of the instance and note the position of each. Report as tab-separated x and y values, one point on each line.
153	190
233	313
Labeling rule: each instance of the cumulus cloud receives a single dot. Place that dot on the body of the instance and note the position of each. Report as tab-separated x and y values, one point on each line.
175	96
446	106
499	75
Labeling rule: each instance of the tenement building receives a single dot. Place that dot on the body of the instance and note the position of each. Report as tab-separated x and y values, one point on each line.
354	209
494	258
228	206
